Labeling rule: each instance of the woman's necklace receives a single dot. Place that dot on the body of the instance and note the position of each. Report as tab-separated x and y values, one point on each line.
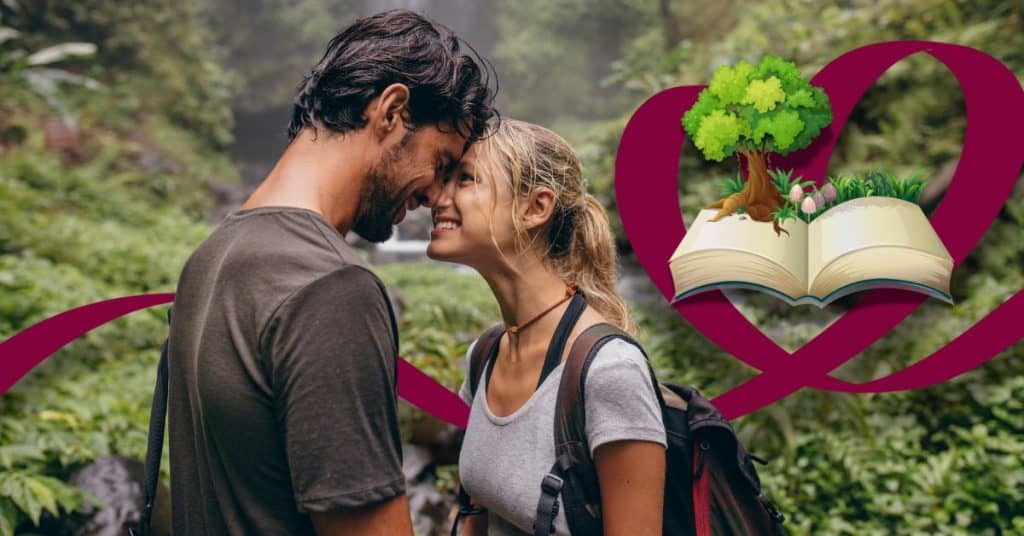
514	329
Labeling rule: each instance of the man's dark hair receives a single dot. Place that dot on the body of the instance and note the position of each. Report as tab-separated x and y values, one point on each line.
446	85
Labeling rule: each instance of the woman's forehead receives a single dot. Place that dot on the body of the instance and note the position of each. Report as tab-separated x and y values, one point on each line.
469	158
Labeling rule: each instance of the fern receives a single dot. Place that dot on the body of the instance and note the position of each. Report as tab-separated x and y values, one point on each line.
730	186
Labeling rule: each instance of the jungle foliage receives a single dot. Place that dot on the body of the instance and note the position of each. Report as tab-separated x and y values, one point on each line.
116	208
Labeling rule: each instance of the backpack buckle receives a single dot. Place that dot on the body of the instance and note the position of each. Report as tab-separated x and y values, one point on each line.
775	514
552	484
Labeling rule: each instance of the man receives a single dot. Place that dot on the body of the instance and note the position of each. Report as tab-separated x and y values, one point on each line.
283	346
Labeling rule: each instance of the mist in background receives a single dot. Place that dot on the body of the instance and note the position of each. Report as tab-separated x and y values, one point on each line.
128	129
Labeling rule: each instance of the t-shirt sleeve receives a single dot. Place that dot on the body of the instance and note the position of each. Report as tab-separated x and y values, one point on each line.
620	399
464	392
332	352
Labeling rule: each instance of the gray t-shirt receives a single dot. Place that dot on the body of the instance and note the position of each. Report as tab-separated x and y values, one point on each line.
504	459
282	361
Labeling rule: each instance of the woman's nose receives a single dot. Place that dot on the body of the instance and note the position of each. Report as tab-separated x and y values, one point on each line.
444	196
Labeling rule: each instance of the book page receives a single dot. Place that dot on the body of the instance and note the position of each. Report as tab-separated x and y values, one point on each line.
738	232
870	222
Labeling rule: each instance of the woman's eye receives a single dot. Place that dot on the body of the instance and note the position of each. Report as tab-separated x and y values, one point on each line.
466	177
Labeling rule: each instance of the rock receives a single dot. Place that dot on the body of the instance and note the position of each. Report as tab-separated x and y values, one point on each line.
117	482
429	508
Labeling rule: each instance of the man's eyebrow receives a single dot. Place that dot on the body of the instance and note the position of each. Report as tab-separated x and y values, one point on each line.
450	162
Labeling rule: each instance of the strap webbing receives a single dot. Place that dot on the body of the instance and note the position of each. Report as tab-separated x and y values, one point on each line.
561	335
550	489
485	349
155	443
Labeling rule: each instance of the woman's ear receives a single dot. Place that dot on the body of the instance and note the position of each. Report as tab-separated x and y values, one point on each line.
539	207
384	114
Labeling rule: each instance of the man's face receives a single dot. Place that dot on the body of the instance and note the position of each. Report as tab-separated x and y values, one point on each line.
409	174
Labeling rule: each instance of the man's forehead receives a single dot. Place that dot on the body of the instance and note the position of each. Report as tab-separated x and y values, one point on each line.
456	138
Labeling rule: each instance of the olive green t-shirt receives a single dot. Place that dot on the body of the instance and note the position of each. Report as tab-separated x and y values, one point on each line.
282	362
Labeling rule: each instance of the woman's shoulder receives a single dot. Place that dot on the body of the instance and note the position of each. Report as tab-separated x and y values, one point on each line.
616	354
621	403
617	368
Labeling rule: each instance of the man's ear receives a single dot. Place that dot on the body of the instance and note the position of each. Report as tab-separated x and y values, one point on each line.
539	207
384	114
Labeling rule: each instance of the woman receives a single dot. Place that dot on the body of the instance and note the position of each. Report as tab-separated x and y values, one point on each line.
517	211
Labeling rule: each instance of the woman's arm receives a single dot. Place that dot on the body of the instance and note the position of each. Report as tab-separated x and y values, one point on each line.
632	479
474	525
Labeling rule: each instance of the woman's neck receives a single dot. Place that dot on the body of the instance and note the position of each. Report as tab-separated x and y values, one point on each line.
524	288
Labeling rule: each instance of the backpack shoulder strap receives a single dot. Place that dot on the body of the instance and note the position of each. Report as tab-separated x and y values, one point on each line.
573	476
155	441
485	349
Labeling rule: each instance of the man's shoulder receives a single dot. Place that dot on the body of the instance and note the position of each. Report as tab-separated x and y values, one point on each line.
290	237
257	260
275	249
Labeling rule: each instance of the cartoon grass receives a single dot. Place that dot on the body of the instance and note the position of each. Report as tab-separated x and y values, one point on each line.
806	205
752	111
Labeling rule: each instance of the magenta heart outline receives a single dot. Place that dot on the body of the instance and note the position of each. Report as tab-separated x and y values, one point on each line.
646	182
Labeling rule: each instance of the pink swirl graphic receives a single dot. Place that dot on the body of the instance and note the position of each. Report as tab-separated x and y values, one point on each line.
29	347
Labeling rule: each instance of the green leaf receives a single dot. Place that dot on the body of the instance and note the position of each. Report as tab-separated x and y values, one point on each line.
706	103
763	95
783	127
43	495
801	99
727	187
61	52
7	33
11	455
729	84
718	135
14	487
10	516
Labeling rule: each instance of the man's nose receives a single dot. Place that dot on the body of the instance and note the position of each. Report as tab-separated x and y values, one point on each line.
429	196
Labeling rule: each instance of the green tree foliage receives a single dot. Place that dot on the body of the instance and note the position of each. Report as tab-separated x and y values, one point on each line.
768	108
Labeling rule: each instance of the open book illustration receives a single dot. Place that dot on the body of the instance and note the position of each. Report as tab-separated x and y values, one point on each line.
864	243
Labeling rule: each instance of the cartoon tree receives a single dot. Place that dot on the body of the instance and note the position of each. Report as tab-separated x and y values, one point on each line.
754	111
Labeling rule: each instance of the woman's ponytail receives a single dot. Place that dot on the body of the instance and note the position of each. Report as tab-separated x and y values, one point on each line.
590	263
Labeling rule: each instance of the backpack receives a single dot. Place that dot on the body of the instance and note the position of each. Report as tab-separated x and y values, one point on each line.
711	486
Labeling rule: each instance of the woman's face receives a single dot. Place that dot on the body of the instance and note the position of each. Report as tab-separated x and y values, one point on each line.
467	221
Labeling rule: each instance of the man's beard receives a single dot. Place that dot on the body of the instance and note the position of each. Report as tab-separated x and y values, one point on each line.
382	196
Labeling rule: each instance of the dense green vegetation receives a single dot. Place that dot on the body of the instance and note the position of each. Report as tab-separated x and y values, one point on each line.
117	209
109	208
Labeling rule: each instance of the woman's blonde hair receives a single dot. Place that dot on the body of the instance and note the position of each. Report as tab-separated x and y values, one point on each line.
578	237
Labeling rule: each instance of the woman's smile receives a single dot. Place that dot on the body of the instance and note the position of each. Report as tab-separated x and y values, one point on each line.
442	225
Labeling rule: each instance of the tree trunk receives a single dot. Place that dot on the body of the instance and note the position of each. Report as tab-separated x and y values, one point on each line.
669	25
759	197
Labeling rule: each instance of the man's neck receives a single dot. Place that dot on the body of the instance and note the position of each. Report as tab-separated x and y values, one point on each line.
325	176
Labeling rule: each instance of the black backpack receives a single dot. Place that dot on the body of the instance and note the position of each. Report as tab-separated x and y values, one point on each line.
711	486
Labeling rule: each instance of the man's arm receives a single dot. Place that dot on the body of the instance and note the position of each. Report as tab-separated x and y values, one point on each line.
332	357
388	517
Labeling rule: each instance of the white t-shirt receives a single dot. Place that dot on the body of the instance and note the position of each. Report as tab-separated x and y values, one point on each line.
504	459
